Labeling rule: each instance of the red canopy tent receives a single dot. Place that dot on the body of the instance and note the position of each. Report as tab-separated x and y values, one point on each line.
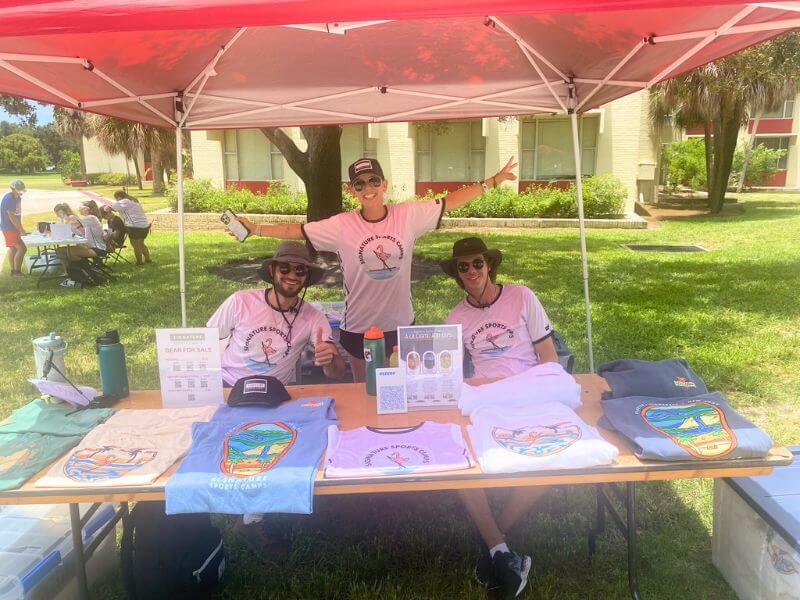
189	64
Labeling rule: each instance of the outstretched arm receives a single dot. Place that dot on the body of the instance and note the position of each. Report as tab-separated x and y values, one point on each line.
460	197
284	231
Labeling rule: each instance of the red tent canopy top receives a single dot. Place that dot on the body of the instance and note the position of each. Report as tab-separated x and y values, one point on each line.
217	64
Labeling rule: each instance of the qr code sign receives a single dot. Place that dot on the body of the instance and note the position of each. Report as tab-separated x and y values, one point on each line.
391	399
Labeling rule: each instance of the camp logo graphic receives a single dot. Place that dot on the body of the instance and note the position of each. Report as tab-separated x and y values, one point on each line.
17	456
266	346
256	447
700	428
683	382
392	457
782	561
538	440
492	339
106	462
381	256
312	404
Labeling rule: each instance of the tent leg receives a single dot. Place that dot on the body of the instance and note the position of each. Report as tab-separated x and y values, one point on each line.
576	149
181	253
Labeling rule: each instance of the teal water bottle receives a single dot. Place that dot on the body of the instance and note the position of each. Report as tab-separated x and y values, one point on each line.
111	360
374	355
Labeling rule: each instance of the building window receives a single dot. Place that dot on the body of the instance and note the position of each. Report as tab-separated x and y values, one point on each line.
782	112
546	148
250	156
355	143
776	143
451	152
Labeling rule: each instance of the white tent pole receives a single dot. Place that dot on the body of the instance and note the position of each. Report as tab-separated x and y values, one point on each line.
181	252
576	150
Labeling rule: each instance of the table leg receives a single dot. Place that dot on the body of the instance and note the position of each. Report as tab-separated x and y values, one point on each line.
630	509
600	520
77	544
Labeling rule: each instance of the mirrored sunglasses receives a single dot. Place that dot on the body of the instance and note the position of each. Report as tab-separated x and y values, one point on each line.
360	184
285	268
476	264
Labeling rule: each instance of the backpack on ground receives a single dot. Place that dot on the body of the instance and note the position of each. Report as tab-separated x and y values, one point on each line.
82	272
170	556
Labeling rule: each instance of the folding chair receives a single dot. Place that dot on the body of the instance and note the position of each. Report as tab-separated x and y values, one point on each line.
116	254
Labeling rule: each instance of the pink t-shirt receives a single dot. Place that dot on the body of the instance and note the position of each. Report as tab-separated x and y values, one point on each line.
370	451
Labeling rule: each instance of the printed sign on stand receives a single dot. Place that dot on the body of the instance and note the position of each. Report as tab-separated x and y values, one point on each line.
189	366
430	357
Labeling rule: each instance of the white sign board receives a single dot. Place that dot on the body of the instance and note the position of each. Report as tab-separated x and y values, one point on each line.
431	359
189	367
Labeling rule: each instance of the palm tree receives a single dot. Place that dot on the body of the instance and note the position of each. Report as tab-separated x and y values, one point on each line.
161	143
721	96
116	135
72	124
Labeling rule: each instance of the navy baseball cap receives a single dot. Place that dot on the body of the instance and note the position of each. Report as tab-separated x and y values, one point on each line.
364	165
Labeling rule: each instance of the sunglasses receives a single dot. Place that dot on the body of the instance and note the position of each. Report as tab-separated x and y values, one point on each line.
360	184
476	264
285	268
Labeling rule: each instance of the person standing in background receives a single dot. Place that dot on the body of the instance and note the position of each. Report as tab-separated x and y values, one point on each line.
136	223
11	225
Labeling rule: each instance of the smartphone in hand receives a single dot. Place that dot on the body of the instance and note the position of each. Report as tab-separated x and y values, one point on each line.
234	225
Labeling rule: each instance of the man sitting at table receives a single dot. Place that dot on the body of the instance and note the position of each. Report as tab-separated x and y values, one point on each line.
267	330
505	331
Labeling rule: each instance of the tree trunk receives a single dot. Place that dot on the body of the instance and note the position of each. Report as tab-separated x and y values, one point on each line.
158	170
138	172
726	133
709	155
319	166
747	152
83	157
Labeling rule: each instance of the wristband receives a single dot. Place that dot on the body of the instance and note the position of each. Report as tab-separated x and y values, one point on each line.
494	181
484	187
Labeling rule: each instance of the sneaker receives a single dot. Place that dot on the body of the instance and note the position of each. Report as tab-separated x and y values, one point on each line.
68	283
511	572
483	566
17	273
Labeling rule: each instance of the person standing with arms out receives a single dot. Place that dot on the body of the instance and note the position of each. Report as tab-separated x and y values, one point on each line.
136	224
375	246
11	225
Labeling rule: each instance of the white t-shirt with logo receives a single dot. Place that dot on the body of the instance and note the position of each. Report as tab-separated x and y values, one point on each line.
93	232
134	447
376	260
259	342
537	438
499	338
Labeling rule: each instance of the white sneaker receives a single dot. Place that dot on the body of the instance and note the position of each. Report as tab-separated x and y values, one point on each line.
68	283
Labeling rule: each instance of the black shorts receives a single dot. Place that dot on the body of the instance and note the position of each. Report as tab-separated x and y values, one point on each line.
354	342
138	233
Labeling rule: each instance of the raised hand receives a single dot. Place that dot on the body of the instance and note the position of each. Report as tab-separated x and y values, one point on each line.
505	174
323	351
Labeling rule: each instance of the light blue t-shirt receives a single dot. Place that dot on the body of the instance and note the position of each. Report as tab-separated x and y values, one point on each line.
253	460
10	202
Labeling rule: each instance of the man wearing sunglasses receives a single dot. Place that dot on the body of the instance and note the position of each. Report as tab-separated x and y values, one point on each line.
505	331
375	246
267	329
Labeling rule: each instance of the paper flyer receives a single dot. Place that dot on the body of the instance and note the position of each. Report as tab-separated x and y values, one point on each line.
430	357
189	367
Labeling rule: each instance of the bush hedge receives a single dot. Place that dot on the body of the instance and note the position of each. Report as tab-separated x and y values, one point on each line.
603	195
111	179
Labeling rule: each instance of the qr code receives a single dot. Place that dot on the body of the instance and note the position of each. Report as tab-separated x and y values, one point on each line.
392	398
191	398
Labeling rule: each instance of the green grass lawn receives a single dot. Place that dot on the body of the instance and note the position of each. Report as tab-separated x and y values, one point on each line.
732	312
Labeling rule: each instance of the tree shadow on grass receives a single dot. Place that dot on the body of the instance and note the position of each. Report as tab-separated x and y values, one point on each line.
757	210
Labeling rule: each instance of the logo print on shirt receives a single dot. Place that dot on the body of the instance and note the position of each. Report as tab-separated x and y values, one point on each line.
255	448
274	344
700	428
683	382
312	404
782	561
381	256
399	459
538	440
14	459
492	339
106	462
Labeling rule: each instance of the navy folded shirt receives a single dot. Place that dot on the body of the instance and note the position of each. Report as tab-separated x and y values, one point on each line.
702	427
670	378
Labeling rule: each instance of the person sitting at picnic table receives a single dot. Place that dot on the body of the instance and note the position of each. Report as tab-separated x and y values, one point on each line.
115	235
505	330
65	215
92	227
87	226
375	245
136	223
11	225
267	331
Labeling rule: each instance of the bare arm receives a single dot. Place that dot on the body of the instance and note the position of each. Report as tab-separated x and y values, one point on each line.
327	356
460	197
335	370
284	231
15	221
546	350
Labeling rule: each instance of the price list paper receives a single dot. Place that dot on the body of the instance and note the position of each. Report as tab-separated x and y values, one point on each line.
189	366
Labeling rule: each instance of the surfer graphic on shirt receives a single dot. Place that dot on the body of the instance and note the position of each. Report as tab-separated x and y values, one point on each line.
266	346
498	341
381	256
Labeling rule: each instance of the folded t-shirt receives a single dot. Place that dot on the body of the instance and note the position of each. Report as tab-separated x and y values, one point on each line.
60	418
25	454
702	427
547	437
670	378
548	382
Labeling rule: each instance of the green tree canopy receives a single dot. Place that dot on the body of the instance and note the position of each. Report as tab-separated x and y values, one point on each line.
22	153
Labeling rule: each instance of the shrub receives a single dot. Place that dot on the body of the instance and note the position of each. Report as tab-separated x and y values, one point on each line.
762	165
603	196
69	165
685	163
111	179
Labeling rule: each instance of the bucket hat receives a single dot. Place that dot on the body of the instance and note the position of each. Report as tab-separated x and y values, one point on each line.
293	252
468	247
